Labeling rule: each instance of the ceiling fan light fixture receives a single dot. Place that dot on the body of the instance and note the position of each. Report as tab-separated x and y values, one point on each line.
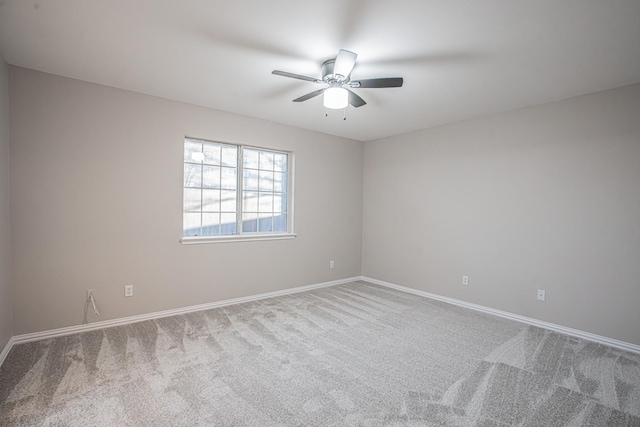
336	98
336	74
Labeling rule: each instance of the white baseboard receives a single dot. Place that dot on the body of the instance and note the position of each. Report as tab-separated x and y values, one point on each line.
18	339
505	314
36	336
5	350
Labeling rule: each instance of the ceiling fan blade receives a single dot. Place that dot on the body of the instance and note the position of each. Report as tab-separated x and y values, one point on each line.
295	76
377	83
355	100
309	95
345	61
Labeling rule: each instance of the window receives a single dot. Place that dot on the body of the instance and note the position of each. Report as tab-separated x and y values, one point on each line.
235	191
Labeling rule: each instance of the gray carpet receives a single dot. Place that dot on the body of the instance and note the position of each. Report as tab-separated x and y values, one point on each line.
354	354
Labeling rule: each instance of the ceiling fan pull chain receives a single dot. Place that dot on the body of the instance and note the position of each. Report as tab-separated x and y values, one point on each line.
344	112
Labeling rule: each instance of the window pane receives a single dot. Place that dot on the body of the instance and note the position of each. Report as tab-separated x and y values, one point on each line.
192	175
228	201
190	224
211	153
227	223
250	202
210	200
280	162
229	178
192	199
280	222
249	222
229	156
265	224
250	180
191	147
266	160
250	158
211	178
279	182
265	202
277	203
266	181
211	224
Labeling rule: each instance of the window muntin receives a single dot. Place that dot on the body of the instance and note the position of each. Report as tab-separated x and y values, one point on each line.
234	190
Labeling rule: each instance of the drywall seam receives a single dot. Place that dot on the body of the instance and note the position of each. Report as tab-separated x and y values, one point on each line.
623	345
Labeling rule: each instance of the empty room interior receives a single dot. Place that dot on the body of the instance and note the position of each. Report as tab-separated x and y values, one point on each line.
340	213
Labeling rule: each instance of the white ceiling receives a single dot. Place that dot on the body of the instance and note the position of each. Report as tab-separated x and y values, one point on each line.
459	58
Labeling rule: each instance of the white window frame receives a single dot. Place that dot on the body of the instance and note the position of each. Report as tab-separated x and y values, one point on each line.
246	236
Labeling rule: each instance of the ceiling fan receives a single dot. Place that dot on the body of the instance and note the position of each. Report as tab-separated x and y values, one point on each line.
336	73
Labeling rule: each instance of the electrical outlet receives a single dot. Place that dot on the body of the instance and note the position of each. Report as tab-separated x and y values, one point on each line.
89	292
541	295
465	280
128	290
332	264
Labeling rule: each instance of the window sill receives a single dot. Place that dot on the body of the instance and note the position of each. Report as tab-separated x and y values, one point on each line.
236	238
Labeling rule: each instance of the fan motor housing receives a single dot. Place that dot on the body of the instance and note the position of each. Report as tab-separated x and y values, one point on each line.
327	73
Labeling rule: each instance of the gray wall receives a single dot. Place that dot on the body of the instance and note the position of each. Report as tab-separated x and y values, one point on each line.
6	330
546	197
96	199
539	198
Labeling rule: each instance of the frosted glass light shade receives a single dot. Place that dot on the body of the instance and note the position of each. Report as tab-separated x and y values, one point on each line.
336	98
